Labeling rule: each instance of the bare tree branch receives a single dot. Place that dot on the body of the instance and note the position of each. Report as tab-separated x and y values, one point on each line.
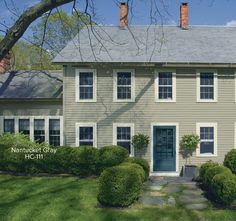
30	15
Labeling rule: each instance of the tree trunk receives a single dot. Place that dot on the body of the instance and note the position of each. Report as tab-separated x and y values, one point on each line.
30	15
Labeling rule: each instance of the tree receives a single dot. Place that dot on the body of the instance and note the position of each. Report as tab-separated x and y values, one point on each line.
61	28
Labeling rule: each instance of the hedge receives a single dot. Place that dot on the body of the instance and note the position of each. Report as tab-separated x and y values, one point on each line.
142	162
137	167
109	156
119	186
224	187
230	160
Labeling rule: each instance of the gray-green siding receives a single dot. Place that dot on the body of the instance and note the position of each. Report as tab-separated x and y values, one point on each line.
144	111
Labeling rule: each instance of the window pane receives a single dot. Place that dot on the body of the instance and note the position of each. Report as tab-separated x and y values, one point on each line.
207	92
207	133
86	78
9	126
165	78
206	78
86	136
123	92
54	132
165	92
123	78
125	144
39	130
24	126
86	92
207	147
123	133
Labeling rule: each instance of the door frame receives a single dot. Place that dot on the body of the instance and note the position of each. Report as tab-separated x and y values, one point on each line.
176	173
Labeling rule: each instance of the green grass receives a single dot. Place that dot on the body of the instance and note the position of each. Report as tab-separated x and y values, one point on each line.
57	198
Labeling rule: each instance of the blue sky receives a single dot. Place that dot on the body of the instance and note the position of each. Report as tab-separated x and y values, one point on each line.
201	12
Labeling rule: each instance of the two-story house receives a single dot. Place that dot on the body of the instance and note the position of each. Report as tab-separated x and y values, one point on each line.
162	81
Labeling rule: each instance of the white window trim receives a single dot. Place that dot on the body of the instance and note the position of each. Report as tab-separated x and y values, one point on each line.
176	173
157	71
235	85
77	91
31	119
131	125
215	86
198	125
87	124
115	99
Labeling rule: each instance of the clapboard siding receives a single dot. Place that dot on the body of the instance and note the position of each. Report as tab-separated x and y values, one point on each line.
144	111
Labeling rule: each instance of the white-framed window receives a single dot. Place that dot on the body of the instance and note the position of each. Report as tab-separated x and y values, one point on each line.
86	134
38	128
207	86
165	86
122	136
207	133
123	85
86	85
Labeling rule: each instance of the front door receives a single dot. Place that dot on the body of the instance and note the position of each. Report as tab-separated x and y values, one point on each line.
164	148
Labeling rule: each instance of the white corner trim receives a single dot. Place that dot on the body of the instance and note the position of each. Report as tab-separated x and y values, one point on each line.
177	146
85	124
234	135
235	87
131	125
199	100
115	71
173	71
204	124
77	84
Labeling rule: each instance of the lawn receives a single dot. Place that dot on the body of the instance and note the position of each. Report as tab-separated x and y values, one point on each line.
70	198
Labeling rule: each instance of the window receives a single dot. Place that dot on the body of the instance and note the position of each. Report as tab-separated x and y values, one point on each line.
206	86
124	85
165	85
39	130
24	126
208	139
9	126
85	85
86	134
123	135
54	132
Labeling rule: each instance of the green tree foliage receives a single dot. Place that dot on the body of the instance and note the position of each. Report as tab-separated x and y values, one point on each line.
56	30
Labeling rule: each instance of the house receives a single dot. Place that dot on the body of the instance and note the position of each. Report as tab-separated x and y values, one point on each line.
162	81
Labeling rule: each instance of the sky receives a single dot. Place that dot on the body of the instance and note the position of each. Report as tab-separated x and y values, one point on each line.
201	12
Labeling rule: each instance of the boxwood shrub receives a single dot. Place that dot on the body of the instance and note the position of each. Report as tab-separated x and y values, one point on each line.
137	167
142	162
109	156
119	186
204	167
224	187
211	172
230	160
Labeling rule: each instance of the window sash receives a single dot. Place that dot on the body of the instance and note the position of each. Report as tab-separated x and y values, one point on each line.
89	141
207	132
86	86
24	127
54	132
165	85
9	126
39	130
125	140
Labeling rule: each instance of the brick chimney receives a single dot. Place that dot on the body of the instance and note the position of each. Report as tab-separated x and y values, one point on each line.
5	63
123	14
184	16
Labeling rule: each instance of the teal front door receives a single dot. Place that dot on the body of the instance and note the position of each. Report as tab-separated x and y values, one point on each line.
164	148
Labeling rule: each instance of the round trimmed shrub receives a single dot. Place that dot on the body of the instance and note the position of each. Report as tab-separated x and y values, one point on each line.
204	167
211	172
111	156
119	186
142	162
224	187
230	160
137	167
84	160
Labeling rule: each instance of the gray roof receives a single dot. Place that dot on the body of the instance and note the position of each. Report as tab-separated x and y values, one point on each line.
157	44
31	85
